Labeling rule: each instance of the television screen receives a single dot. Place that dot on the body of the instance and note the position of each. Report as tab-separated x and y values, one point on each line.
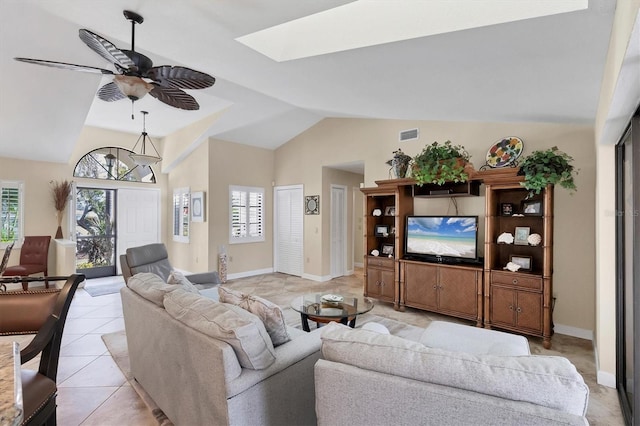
442	237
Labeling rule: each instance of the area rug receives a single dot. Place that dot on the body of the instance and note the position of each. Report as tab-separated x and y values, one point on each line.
117	345
101	290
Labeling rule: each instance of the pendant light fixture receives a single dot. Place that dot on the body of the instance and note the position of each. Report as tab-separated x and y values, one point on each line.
143	159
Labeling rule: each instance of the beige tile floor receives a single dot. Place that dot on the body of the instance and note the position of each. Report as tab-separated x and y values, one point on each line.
93	391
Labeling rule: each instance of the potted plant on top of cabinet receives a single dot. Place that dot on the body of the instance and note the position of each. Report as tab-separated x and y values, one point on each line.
440	163
544	167
399	163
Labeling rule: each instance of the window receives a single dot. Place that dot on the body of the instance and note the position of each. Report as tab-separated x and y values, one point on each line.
246	220
12	212
181	215
112	163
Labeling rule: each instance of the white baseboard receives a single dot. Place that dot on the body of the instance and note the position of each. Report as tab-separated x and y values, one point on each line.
319	278
607	379
249	273
567	330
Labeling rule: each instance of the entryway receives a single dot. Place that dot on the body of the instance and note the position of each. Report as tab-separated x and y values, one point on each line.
108	221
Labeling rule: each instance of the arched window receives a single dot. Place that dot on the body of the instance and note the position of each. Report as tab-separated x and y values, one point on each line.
111	163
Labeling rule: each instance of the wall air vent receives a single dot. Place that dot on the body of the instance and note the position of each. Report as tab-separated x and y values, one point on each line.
408	135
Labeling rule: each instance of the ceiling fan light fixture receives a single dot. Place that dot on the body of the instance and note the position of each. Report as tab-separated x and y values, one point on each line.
143	159
132	87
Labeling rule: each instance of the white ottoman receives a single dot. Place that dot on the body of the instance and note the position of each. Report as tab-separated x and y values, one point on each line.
473	340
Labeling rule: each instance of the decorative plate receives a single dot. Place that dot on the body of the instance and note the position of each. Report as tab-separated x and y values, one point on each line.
332	298
504	152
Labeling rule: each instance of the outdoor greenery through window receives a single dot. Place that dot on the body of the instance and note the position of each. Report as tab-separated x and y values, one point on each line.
246	214
112	163
95	210
12	212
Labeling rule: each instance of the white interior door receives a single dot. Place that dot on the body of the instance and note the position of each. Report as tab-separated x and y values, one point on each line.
288	229
138	219
338	230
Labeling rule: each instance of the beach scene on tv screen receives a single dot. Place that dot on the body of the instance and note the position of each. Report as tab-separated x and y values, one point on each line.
442	236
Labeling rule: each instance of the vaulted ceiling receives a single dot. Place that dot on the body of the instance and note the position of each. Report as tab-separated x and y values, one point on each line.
546	68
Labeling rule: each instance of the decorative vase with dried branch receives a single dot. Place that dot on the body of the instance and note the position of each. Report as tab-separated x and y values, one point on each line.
61	192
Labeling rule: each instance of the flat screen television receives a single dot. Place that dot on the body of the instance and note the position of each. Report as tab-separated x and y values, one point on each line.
446	239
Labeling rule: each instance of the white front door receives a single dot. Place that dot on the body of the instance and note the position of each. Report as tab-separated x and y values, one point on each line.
138	219
288	229
338	230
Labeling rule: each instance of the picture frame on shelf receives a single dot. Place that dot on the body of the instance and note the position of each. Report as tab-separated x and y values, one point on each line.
506	209
525	262
521	235
381	231
532	208
387	250
390	211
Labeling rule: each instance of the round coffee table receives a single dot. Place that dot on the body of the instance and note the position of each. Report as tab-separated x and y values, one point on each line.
323	308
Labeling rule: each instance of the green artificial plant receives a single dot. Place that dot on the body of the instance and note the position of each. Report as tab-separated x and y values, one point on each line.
441	163
544	167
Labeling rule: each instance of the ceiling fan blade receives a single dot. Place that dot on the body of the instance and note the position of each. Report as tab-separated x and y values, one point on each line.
180	77
65	66
106	49
174	97
110	92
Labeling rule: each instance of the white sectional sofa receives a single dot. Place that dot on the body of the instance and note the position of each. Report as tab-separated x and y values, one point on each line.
465	376
237	377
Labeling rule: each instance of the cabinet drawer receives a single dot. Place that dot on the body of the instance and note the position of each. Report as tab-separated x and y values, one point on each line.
382	262
518	280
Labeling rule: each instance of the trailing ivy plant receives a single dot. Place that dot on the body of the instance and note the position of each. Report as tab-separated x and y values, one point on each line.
440	163
544	167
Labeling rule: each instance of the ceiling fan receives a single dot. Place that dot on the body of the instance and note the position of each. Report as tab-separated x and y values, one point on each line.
133	70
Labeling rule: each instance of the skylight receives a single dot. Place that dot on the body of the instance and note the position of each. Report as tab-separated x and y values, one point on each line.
365	23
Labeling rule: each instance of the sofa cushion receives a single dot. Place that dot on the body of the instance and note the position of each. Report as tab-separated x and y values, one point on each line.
177	277
150	286
544	380
270	313
243	331
473	340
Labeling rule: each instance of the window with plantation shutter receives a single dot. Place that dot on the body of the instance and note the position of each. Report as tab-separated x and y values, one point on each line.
246	214
11	212
181	199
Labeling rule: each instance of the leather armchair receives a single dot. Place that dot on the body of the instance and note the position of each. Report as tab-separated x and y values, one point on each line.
34	258
155	259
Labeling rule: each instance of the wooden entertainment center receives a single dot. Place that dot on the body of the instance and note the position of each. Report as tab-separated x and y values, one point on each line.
484	292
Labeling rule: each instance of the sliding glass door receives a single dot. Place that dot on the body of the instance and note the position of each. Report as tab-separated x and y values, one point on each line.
628	271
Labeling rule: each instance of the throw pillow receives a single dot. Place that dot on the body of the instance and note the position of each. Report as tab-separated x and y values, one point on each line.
241	330
150	286
270	313
177	277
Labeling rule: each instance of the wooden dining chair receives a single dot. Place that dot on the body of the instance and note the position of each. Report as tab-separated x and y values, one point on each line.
34	258
39	389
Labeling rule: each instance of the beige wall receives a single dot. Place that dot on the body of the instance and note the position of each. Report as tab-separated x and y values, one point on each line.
605	340
336	141
235	164
192	172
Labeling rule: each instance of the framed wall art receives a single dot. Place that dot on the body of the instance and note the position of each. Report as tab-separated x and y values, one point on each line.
312	204
197	207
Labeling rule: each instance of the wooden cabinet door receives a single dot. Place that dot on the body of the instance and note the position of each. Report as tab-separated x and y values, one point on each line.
421	286
503	306
388	284
458	291
529	311
374	276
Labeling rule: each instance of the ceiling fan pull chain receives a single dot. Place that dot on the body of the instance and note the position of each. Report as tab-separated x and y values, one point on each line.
132	116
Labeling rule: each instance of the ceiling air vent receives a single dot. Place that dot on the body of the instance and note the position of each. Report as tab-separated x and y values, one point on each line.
408	135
